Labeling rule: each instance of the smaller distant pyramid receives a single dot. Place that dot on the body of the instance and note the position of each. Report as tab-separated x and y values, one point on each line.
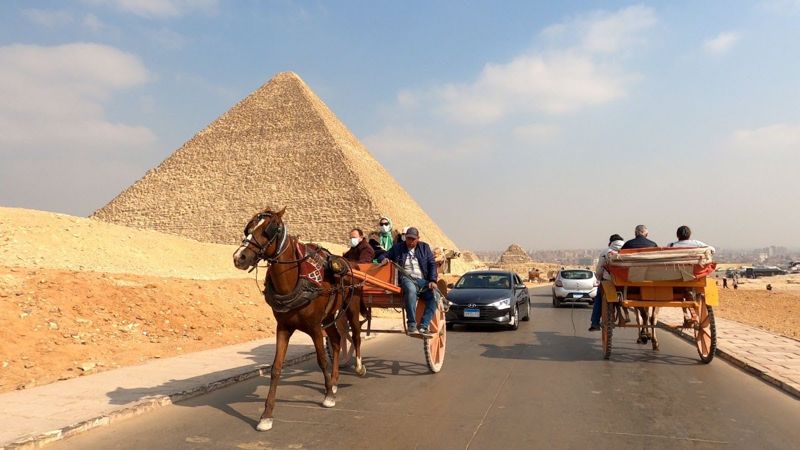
515	255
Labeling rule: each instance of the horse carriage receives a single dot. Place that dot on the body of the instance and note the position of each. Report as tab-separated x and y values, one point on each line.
322	295
380	289
652	278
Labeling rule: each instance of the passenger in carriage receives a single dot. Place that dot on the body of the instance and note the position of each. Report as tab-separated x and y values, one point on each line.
614	245
360	250
418	277
374	242
386	234
640	240
685	240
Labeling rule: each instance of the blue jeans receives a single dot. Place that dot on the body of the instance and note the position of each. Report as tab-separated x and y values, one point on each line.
411	288
597	307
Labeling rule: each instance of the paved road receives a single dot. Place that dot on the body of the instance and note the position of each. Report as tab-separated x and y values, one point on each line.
544	385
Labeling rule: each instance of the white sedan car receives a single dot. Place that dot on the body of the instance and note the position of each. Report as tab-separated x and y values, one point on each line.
574	285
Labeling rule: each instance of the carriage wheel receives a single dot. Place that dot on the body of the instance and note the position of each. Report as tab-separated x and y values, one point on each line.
346	351
705	334
607	328
434	346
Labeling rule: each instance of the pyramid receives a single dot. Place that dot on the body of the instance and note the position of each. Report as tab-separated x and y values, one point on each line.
279	146
515	254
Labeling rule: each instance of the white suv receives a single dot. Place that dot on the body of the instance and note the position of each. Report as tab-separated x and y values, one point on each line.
574	285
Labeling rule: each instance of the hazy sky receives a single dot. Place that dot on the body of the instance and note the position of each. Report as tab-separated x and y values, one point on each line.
548	124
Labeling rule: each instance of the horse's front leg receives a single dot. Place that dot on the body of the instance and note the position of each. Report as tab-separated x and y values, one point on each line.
335	339
322	360
282	336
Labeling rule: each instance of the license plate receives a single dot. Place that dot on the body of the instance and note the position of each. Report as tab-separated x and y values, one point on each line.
577	295
472	313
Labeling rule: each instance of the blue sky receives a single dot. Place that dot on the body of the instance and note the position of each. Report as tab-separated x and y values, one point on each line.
549	124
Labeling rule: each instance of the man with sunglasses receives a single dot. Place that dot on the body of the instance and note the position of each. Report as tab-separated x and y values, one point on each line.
417	277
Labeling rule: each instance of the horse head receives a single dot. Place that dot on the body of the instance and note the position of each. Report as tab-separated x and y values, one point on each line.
264	238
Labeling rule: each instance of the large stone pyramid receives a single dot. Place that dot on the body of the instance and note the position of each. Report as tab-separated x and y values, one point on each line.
279	146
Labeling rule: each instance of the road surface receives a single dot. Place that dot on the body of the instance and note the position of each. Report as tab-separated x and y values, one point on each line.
542	386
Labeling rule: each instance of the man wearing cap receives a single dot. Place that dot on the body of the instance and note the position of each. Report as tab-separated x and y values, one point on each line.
418	277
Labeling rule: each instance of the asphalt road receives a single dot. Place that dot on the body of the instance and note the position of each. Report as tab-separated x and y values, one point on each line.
542	386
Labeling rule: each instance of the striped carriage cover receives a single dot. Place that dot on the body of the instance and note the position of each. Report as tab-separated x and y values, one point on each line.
661	264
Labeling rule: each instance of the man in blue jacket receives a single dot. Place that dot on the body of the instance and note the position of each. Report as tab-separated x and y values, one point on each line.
418	277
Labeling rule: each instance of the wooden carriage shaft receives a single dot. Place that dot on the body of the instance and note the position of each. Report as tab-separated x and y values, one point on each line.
369	279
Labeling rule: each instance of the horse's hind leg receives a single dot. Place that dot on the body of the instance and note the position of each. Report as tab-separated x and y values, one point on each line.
653	322
322	360
282	336
355	329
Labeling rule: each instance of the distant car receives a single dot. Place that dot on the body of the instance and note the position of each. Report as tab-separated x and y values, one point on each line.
489	297
574	285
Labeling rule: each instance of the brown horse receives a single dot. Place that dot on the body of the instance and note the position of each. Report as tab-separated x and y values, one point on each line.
304	295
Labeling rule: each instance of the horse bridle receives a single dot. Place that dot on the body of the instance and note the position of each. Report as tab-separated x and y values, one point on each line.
272	232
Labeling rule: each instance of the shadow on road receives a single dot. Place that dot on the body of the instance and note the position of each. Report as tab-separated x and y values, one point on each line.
552	346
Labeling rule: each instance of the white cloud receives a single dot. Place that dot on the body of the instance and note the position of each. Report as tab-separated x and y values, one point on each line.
581	68
48	18
535	133
553	84
159	9
770	138
54	99
721	43
604	32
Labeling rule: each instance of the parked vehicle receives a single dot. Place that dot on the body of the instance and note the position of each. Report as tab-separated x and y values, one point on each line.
574	285
489	297
755	272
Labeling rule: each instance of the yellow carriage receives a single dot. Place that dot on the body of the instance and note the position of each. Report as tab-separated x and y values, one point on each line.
662	278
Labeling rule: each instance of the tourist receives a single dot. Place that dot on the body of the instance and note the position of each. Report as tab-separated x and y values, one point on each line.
417	277
640	240
360	250
374	242
615	243
386	233
684	234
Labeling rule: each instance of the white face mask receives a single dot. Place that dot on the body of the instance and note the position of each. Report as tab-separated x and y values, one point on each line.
386	228
354	241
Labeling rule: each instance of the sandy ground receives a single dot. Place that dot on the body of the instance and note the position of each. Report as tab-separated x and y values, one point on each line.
80	296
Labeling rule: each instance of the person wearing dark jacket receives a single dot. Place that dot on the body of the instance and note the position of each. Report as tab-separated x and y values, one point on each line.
375	243
418	277
360	250
640	241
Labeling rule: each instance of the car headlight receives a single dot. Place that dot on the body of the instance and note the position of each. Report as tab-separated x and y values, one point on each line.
502	304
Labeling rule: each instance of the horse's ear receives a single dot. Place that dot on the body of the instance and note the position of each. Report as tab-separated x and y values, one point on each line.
280	213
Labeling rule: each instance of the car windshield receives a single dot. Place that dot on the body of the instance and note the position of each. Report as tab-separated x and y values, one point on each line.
576	274
484	281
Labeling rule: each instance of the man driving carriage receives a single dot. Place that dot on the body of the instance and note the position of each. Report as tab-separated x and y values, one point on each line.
417	277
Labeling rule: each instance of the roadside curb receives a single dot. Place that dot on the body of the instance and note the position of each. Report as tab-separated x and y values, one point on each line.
148	404
751	368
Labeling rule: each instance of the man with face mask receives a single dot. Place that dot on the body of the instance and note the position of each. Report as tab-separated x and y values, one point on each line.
386	233
360	250
418	277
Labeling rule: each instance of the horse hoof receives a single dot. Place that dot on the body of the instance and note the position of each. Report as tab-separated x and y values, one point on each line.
264	425
329	402
361	371
334	389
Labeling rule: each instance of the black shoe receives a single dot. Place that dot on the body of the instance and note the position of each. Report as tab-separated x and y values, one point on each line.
424	330
412	329
594	328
